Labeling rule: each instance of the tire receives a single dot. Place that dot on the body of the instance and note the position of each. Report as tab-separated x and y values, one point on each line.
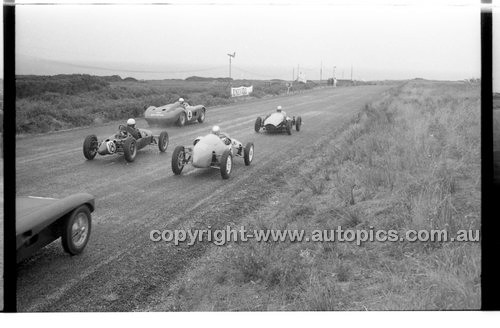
298	123
226	164
76	230
248	153
130	149
90	147
289	128
181	121
258	124
201	118
178	160
163	141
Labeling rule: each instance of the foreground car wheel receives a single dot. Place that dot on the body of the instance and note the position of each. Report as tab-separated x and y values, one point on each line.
226	164
163	141
181	121
90	147
298	123
289	128
248	153
258	124
76	231
201	118
130	149
178	160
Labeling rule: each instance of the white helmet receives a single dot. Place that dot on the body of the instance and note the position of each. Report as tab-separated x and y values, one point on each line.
216	130
131	122
181	100
278	109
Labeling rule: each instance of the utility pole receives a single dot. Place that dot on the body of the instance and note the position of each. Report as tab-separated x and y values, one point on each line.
230	56
321	72
293	74
351	72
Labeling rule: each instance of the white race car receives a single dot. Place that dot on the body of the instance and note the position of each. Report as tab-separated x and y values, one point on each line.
212	151
278	122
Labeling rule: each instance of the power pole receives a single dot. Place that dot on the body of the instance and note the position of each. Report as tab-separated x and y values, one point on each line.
321	72
293	73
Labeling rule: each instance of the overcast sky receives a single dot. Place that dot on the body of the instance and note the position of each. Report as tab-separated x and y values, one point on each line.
176	41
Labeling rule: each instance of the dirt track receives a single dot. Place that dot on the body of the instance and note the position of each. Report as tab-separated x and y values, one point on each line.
121	269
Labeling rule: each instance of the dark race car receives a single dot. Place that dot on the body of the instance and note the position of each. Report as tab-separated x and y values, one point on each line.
179	113
278	122
40	221
126	141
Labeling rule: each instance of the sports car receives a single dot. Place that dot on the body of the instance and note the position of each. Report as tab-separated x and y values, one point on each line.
40	221
179	113
212	151
124	142
278	122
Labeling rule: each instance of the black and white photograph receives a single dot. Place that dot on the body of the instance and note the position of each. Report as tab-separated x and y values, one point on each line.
248	156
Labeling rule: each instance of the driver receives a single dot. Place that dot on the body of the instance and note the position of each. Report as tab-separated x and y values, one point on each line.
278	109
182	102
135	132
226	139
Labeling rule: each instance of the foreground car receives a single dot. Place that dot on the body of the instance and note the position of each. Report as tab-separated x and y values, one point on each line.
124	143
40	221
179	113
211	151
278	122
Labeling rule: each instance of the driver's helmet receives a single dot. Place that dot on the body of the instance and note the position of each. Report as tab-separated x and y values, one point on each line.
181	100
216	130
278	109
131	122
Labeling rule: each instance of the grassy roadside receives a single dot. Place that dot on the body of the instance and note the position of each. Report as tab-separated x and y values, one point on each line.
410	160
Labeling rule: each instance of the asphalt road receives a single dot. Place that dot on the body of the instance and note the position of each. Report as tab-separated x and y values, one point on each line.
121	269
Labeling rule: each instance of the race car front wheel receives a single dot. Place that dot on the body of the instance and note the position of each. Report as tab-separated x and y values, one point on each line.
258	124
130	149
178	160
182	119
226	164
298	123
90	147
248	153
163	141
76	230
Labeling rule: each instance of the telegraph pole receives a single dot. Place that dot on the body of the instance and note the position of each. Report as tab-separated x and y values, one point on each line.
321	72
230	56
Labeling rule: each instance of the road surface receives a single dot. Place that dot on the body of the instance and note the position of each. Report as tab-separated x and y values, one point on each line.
121	269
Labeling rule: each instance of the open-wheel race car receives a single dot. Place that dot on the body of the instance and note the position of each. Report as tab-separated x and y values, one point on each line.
41	220
216	151
126	141
278	122
179	112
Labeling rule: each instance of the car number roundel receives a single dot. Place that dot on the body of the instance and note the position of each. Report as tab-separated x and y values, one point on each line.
189	114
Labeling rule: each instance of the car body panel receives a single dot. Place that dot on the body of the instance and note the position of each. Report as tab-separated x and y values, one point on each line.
170	113
275	119
205	148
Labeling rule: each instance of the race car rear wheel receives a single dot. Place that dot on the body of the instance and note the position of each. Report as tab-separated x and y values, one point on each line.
248	156
76	230
289	127
178	160
258	124
226	164
130	149
181	121
201	118
298	123
90	147
163	141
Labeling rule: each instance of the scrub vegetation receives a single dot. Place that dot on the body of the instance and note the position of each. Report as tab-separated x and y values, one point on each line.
410	160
